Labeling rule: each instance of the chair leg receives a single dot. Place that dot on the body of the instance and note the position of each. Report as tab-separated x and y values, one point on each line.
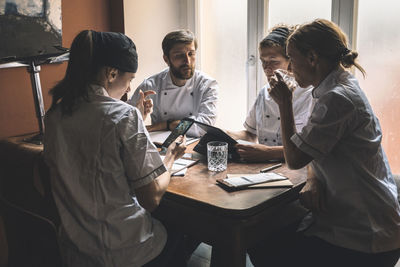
3	245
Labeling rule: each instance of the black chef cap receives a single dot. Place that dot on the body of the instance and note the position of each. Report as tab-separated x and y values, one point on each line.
279	36
115	50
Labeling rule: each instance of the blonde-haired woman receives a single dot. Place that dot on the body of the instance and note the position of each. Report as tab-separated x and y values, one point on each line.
350	189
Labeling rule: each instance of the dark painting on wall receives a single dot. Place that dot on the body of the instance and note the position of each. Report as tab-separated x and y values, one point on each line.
29	28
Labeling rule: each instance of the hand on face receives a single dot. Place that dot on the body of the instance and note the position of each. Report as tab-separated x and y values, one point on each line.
279	90
144	105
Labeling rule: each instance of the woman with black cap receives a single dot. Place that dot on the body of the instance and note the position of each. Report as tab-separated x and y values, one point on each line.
263	120
106	173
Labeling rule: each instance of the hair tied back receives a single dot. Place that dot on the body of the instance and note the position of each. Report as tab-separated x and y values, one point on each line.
344	52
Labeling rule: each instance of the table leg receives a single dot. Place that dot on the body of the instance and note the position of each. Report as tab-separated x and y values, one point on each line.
231	255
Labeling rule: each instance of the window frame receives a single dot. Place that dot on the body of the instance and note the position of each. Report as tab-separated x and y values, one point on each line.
344	13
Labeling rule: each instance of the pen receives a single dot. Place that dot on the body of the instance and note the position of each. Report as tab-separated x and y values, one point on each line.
271	167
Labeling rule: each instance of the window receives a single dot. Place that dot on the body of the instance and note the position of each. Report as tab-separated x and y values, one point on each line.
295	12
229	46
223	44
229	32
378	40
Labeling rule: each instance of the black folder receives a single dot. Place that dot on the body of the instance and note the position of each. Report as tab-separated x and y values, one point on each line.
215	134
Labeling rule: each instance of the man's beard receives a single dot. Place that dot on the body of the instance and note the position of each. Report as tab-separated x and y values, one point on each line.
180	74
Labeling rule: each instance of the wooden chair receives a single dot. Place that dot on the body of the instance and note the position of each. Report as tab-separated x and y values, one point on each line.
31	239
3	244
28	214
397	180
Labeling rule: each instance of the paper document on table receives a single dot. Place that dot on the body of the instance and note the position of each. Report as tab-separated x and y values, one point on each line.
180	165
280	183
268	184
190	140
180	173
246	180
158	137
244	142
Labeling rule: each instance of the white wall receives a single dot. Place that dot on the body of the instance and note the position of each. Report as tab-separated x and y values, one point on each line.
146	23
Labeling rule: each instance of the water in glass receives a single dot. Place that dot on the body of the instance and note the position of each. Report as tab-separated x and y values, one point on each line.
217	155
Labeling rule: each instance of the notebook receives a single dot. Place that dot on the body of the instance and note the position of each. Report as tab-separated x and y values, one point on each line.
259	180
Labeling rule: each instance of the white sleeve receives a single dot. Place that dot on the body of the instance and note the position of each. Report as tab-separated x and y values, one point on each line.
207	111
250	123
141	159
329	122
302	106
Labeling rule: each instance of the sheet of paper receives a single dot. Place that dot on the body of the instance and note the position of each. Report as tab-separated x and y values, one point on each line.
244	142
190	140
180	165
238	180
281	183
187	156
158	137
180	173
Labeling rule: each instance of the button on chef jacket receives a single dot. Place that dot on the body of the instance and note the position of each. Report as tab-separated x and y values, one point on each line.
197	99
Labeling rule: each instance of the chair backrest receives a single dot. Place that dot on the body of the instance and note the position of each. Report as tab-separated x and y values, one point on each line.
3	244
397	180
25	180
31	239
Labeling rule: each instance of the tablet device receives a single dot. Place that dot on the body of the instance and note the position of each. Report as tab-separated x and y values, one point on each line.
180	129
215	134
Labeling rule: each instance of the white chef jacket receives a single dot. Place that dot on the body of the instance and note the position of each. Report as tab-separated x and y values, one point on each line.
97	157
263	118
344	138
197	99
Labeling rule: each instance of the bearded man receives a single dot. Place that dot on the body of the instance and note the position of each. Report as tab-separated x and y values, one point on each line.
181	91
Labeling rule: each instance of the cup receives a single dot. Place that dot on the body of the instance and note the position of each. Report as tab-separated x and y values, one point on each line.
217	155
288	78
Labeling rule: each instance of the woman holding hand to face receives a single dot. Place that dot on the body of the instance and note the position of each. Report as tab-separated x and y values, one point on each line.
350	189
263	124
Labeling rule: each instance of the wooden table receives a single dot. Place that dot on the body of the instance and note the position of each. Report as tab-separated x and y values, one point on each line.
231	222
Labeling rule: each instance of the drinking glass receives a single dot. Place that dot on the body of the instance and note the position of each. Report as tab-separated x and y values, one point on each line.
217	155
288	78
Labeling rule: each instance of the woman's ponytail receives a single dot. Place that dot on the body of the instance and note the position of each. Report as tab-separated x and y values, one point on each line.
80	72
348	59
327	40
